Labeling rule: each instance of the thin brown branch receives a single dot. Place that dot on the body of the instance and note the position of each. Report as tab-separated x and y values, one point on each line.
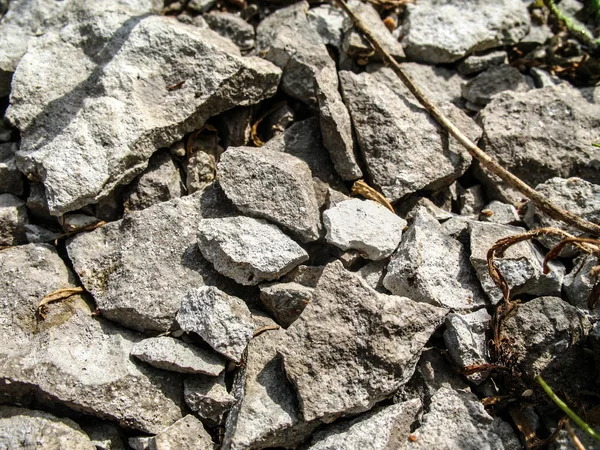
486	161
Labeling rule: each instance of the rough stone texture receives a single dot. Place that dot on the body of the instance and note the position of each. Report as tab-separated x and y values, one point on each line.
25	429
372	273
521	265
552	127
285	301
484	86
185	434
66	356
106	114
139	268
104	435
11	181
232	27
441	83
471	200
38	235
172	354
272	185
13	219
545	333
352	346
222	320
457	419
363	225
287	39
579	282
431	267
478	63
329	22
466	340
404	149
266	413
72	222
355	45
201	165
207	396
384	429
160	182
443	31
248	250
498	212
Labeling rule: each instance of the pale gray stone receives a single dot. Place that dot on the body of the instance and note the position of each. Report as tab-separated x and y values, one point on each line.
329	22
484	86
106	115
457	419
521	265
478	63
139	443
139	268
201	165
207	396
443	31
579	282
272	185
374	340
435	211
383	429
285	301
541	78
466	340
441	83
201	5
471	200
13	219
105	435
266	413
26	429
402	162
172	354
372	273
231	27
222	320
185	434
363	225
498	212
248	250
11	181
36	234
75	221
77	360
431	267
160	182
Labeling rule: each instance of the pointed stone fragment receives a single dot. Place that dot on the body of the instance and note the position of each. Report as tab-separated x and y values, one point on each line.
207	396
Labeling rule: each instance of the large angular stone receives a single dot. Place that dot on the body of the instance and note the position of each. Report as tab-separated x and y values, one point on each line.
25	429
443	31
328	20
72	357
232	27
274	186
285	301
352	346
98	122
434	268
480	90
248	250
404	149
139	268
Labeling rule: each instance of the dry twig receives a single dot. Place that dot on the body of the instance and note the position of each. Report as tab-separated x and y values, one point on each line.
58	295
362	188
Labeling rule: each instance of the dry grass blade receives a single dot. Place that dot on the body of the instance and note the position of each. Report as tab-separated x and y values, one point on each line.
254	131
532	442
587	245
574	438
58	295
363	189
261	330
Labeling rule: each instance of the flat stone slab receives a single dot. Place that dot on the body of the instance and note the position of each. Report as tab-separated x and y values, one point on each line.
363	225
97	125
248	250
139	268
352	346
172	354
67	356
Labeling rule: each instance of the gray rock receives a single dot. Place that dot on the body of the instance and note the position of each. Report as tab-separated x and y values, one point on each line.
541	78
552	127
435	211
285	301
185	434
139	443
25	429
222	320
441	83
457	419
521	265
36	234
363	225
538	35
65	357
498	212
374	340
466	340
431	267
484	86
232	27
105	435
471	200
372	273
579	282
201	165
305	275
11	181
201	5
266	413
74	221
172	354
355	45
160	182
329	23
272	185
478	63
443	31
207	396
105	120
248	250
13	219
545	333
399	162
139	268
383	429
37	204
